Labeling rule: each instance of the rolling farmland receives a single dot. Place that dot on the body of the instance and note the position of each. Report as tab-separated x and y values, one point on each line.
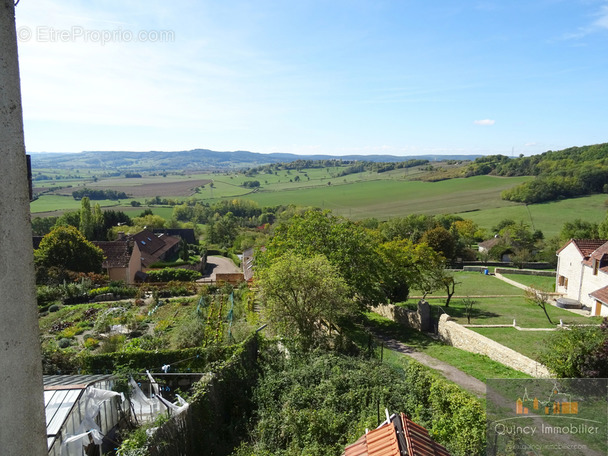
357	196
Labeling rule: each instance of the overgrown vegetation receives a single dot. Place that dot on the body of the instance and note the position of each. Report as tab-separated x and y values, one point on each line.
579	352
317	403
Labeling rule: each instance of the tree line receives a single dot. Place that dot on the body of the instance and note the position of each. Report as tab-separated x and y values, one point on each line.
572	172
95	194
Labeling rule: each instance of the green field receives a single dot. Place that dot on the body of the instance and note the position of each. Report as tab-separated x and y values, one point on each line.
50	203
547	217
357	196
387	198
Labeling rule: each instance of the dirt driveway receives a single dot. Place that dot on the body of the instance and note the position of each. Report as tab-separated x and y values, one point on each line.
218	264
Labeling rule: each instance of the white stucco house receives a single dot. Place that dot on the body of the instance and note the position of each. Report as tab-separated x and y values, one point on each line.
582	273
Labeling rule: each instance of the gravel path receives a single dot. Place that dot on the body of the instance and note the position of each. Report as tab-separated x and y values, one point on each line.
469	383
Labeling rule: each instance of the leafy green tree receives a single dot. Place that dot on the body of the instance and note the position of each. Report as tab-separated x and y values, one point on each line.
67	249
86	218
305	297
440	240
411	227
579	229
602	229
149	221
223	230
467	230
404	265
71	218
98	220
349	247
43	225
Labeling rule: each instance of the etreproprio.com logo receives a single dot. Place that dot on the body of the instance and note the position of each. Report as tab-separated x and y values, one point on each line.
74	34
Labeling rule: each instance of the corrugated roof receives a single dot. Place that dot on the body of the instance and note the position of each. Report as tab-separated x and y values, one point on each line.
56	381
359	448
383	441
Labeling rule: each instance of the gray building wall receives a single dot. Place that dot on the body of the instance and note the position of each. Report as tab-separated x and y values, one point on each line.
22	429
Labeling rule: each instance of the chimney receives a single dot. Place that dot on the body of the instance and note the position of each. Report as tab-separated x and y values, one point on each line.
121	236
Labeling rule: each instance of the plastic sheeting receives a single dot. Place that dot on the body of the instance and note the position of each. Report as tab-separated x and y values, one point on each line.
148	408
88	430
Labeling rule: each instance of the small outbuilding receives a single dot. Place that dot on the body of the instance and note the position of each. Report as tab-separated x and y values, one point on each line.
81	411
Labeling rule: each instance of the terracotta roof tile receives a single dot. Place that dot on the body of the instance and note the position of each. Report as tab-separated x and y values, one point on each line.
117	253
601	295
383	441
419	442
359	448
379	442
148	242
601	252
488	244
585	246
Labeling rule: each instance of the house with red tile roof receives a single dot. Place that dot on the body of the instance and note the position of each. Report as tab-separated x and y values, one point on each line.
118	259
129	256
582	273
397	436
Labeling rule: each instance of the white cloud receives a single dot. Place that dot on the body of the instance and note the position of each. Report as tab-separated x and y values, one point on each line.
600	23
484	122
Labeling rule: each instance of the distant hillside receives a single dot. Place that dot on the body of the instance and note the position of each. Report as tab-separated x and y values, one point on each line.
198	159
563	174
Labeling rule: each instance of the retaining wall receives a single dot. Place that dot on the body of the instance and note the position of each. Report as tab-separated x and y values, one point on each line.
417	319
525	272
458	336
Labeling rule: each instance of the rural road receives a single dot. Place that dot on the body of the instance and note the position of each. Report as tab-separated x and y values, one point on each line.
467	382
218	264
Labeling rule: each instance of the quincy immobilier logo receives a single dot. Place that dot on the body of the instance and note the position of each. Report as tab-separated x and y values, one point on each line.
547	417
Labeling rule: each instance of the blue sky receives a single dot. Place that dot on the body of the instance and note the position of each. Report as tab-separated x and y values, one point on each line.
330	77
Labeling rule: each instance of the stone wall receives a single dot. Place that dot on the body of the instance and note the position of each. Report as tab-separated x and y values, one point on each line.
233	278
417	319
458	336
525	272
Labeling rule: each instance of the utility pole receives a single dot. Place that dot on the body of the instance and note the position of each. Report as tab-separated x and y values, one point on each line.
22	421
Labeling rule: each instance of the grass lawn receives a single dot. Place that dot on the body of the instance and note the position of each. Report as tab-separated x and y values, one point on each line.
540	282
502	311
475	284
528	343
478	366
510	304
